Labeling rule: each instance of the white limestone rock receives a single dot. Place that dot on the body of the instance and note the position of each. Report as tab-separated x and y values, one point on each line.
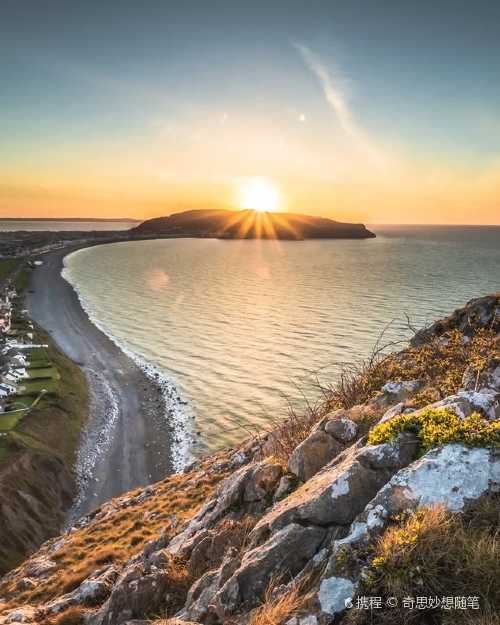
335	594
343	429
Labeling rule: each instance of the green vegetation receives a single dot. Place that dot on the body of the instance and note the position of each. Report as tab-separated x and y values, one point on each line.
7	267
42	372
40	429
28	387
21	281
439	426
9	421
63	408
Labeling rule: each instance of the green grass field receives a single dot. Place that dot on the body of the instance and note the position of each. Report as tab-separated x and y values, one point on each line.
7	267
62	410
22	280
9	421
34	387
43	372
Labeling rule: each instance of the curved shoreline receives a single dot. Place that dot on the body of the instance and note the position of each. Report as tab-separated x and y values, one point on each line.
127	441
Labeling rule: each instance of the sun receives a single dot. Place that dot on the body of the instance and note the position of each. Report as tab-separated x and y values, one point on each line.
259	194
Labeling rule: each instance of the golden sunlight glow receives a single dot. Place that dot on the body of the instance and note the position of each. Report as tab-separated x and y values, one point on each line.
259	194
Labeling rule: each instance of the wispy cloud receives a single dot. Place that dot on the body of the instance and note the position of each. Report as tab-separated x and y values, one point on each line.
336	98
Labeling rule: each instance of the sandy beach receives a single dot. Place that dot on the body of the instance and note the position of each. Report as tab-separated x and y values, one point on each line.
128	439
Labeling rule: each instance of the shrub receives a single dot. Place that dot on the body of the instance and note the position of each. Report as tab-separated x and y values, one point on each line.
438	426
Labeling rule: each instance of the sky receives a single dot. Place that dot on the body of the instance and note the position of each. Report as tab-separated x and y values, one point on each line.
379	112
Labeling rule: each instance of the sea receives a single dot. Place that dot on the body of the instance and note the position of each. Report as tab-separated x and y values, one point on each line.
243	329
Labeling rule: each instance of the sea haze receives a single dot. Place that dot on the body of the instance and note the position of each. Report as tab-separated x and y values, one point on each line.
241	325
56	225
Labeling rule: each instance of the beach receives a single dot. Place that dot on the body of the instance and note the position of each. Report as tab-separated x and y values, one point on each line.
127	440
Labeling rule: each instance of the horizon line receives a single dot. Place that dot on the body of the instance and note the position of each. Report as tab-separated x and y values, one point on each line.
139	220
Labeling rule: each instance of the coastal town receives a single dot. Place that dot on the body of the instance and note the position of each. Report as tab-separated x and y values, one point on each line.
25	243
26	372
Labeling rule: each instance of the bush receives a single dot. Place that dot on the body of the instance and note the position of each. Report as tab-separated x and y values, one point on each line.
438	426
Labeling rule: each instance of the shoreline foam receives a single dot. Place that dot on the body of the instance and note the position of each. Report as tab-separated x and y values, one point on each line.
175	406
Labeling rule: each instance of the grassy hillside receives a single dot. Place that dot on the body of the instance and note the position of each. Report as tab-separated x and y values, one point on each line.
40	434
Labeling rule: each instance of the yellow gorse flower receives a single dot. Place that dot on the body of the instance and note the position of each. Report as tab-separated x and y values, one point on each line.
439	426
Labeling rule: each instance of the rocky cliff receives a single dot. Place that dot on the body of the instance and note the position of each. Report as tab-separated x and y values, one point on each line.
379	505
248	224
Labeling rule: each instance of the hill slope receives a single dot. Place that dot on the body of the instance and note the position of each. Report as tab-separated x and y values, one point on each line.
247	224
388	489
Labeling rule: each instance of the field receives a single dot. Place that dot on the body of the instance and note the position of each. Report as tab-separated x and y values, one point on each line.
7	267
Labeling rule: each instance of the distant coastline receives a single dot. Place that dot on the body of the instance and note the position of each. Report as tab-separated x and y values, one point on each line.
72	219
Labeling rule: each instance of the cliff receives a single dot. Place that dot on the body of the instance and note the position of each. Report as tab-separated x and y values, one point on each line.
247	224
380	497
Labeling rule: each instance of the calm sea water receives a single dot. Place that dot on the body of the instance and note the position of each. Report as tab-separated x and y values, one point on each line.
11	225
240	325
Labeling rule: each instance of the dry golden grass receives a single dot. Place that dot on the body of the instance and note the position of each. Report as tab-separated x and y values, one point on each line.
169	621
278	611
440	363
286	435
437	554
72	616
119	535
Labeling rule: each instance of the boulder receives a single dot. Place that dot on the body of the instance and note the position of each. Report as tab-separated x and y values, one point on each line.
139	590
25	614
488	379
199	601
335	594
312	454
399	391
39	567
262	482
26	583
309	619
285	487
392	412
209	551
453	476
342	429
91	591
464	403
285	553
